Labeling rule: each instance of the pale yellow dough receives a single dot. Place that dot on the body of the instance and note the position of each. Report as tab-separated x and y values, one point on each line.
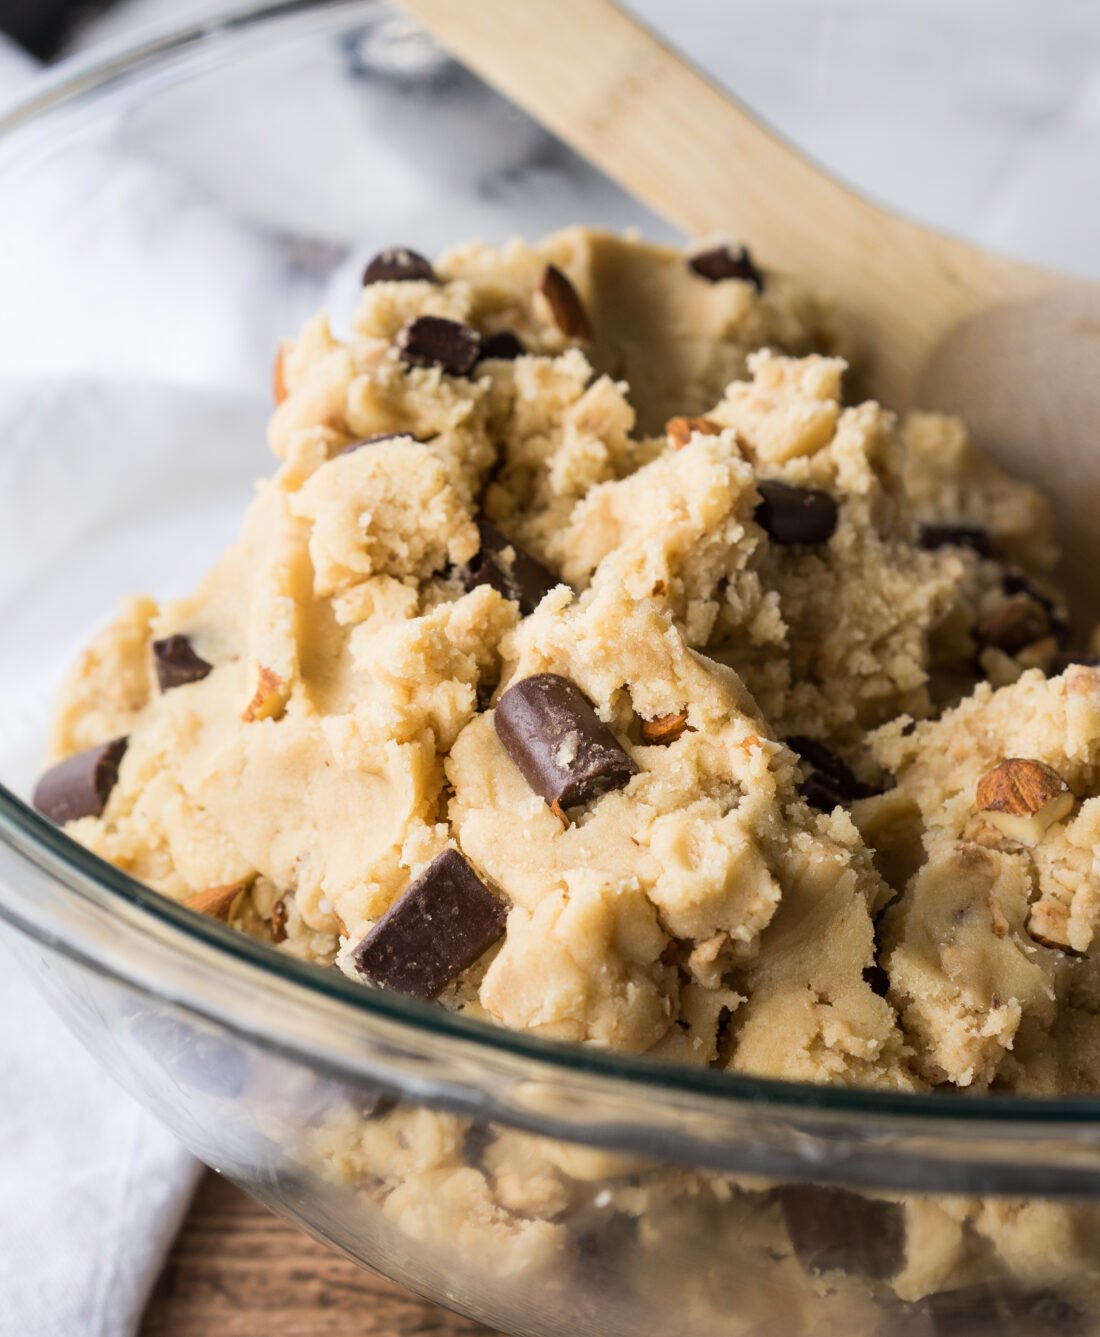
704	912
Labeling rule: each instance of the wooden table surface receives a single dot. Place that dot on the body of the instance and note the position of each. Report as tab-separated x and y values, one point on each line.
238	1271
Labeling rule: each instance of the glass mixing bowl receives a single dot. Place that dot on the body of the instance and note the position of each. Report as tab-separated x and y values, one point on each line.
169	215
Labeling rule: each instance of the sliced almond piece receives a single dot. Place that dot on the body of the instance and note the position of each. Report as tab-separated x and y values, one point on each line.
665	728
679	430
268	694
565	304
1023	798
215	901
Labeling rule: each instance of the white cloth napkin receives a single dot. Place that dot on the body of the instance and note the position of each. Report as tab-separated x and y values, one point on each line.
985	128
92	1187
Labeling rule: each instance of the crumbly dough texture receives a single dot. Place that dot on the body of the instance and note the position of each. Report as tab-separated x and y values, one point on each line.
704	912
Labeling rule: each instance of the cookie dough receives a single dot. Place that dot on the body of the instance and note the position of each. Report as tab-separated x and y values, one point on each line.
807	789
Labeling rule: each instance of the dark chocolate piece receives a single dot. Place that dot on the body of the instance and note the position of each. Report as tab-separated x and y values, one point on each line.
1021	620
933	534
877	980
399	265
1065	659
433	341
1012	582
176	662
792	515
504	345
829	781
80	785
832	1228
991	1309
724	263
564	750
509	570
565	305
437	928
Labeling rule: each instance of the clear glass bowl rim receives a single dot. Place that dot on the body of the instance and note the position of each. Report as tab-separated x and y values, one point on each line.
27	835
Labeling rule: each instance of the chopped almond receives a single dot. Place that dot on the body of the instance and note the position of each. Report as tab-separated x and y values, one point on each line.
665	728
1023	798
215	901
680	430
269	695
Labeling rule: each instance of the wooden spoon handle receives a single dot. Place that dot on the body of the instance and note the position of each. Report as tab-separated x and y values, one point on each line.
610	88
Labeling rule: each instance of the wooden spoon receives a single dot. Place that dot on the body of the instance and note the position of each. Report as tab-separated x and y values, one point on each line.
938	323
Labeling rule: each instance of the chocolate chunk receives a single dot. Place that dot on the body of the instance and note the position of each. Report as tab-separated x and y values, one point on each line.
399	265
564	750
503	345
1012	582
877	980
1020	620
437	928
725	263
991	1310
1067	658
507	569
432	341
176	662
935	535
601	1251
565	306
795	514
80	785
832	1228
829	781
